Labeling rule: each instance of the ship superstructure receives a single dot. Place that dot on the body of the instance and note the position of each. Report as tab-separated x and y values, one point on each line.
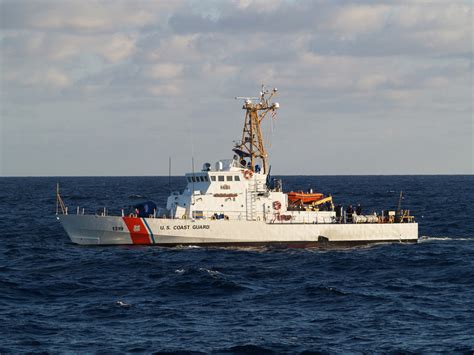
241	188
236	202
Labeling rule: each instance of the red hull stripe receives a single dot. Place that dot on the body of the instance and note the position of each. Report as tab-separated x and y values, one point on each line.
138	231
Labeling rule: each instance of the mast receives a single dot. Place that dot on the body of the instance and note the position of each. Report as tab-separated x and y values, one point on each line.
252	145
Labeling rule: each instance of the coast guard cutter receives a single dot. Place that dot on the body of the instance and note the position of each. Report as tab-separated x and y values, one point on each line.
235	202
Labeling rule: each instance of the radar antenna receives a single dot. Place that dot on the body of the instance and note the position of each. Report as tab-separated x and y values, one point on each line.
252	144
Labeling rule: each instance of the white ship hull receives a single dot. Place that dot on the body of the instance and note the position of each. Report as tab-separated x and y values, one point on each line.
110	230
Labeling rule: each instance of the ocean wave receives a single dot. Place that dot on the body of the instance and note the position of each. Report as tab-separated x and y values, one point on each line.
315	290
136	196
213	273
199	271
77	197
201	280
248	349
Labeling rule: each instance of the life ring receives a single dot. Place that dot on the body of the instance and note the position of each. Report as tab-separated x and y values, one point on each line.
183	216
248	174
276	205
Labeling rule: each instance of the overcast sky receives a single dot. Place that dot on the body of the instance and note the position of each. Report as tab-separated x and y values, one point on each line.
101	87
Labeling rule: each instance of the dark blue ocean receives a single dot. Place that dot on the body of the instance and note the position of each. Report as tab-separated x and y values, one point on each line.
56	297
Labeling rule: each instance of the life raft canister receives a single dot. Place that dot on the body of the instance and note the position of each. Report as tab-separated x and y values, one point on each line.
276	205
248	174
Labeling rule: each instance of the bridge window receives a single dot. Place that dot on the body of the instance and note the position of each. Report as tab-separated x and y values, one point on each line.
206	178
220	178
213	178
229	178
236	178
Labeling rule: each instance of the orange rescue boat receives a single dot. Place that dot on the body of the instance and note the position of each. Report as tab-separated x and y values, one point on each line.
302	197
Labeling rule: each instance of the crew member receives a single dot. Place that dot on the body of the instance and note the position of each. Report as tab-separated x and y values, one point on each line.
328	206
349	211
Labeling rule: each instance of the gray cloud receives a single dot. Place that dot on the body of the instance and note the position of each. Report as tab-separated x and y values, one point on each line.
285	18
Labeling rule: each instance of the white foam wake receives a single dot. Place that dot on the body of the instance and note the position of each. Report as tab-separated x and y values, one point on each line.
123	304
426	238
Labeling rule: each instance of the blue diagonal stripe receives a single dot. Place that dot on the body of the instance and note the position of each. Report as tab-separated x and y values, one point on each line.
149	230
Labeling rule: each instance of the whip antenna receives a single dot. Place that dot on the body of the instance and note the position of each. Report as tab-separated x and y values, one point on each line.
169	174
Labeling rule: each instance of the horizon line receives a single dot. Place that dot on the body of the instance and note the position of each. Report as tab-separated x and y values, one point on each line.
108	176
